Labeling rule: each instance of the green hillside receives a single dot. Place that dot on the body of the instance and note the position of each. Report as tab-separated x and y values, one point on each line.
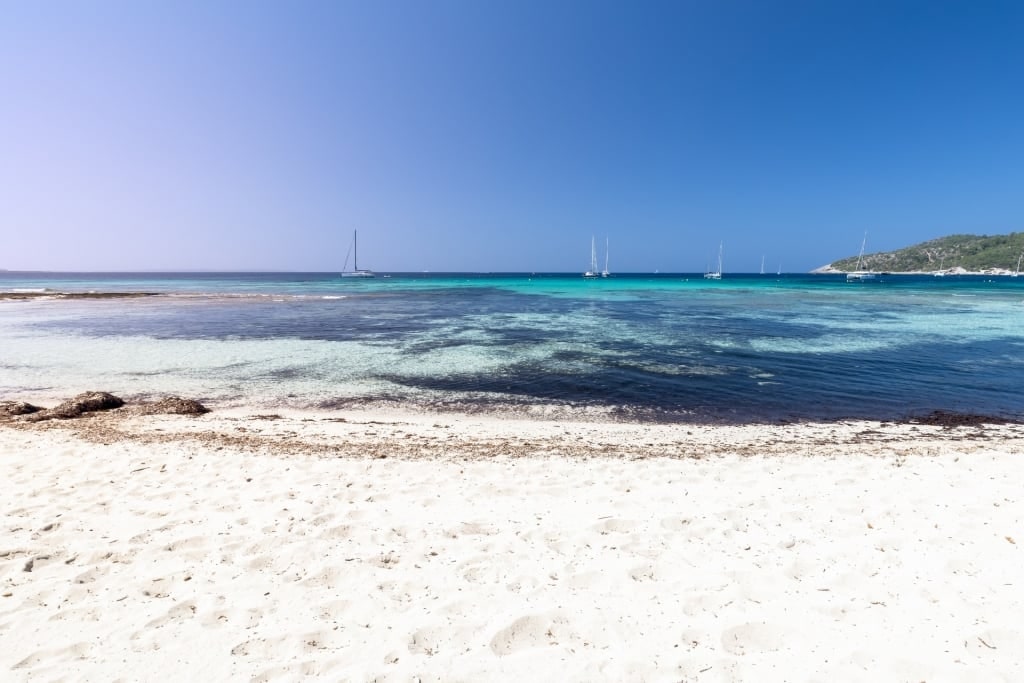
970	252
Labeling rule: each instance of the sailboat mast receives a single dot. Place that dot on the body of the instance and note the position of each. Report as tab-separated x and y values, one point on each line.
355	245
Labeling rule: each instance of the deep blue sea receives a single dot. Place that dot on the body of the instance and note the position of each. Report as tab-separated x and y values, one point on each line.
649	347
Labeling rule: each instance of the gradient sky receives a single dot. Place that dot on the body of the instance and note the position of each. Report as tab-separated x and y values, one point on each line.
474	135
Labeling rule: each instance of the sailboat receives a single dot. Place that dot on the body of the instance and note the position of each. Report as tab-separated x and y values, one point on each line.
605	273
716	275
357	272
859	275
1016	273
940	272
592	273
762	264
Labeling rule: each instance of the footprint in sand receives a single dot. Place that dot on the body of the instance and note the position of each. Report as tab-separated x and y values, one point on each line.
58	654
528	632
180	612
675	523
192	548
471	529
615	526
261	562
311	667
325	578
78	614
269	648
90	575
524	582
429	641
322	520
234	617
159	587
334	609
752	637
336	533
481	570
644	572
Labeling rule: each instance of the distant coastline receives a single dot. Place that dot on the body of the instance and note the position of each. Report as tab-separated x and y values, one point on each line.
1001	272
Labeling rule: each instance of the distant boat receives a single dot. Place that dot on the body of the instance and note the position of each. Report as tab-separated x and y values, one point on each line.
859	275
357	272
592	273
716	275
1016	273
762	264
940	272
605	273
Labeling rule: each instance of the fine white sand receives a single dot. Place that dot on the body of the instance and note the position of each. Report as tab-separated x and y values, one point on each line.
405	547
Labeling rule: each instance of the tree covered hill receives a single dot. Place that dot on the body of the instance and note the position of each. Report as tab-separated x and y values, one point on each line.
970	252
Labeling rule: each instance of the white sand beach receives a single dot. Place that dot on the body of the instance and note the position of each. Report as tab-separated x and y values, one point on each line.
392	547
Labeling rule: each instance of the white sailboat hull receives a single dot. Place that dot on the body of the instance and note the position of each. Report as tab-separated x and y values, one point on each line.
859	276
716	275
592	273
358	272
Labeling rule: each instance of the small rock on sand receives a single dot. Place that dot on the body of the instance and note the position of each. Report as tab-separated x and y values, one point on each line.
88	402
172	405
11	408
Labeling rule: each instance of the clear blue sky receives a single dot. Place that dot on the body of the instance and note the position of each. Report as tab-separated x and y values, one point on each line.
499	136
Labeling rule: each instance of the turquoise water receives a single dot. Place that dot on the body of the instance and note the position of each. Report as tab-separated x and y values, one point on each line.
652	347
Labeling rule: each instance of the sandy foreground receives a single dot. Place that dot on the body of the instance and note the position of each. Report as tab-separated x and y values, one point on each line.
384	546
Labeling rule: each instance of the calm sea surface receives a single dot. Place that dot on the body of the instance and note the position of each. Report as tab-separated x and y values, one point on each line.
657	347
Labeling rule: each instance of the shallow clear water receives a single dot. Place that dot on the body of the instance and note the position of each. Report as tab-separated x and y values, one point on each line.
673	347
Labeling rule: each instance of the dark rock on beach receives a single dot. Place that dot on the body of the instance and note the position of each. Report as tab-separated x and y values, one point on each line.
172	405
12	408
93	401
90	401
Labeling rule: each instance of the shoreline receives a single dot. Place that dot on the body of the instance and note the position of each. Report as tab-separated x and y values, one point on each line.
544	417
362	544
488	409
952	272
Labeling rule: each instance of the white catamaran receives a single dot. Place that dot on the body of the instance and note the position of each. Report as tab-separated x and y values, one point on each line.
354	250
605	273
